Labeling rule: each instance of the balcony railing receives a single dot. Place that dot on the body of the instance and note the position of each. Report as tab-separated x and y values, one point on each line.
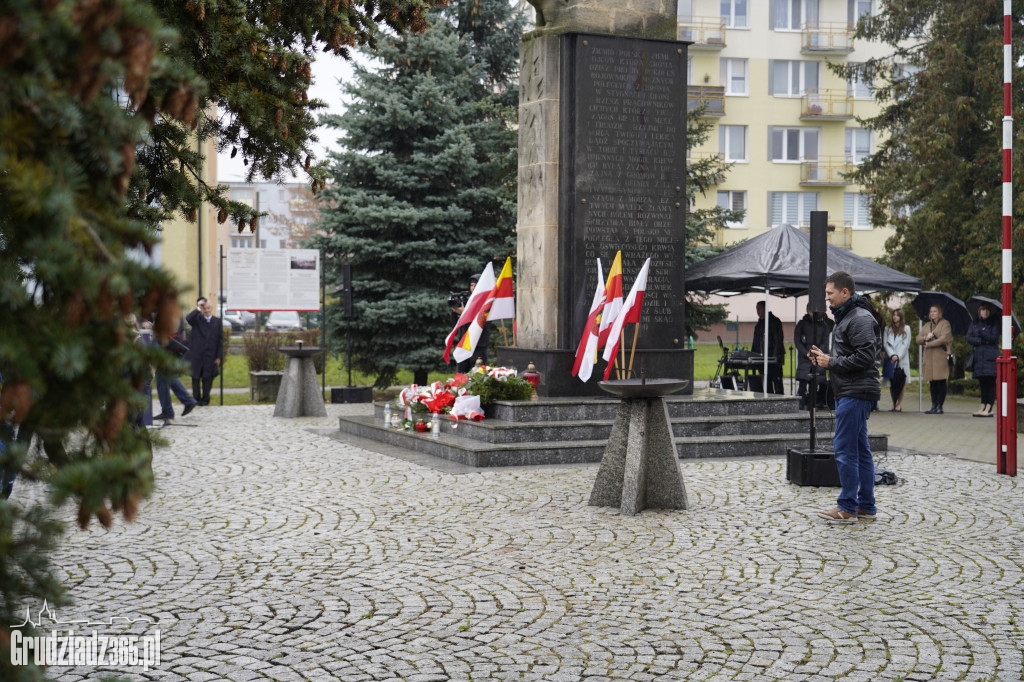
826	104
705	32
841	235
825	170
712	95
827	36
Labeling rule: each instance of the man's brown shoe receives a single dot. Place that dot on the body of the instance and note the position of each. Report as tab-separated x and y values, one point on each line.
838	516
864	515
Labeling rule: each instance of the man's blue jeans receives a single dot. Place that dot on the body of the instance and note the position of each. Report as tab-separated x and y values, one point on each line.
164	386
853	456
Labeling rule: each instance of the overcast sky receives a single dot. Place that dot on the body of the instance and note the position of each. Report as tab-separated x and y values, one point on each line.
327	70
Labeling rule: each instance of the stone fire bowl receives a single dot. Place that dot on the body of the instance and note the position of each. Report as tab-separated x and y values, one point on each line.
636	388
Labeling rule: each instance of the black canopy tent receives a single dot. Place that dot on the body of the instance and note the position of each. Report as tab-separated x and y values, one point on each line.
778	262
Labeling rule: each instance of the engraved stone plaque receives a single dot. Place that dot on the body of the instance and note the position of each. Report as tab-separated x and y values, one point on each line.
623	173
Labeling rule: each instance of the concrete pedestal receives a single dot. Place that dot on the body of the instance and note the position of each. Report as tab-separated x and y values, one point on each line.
300	394
639	468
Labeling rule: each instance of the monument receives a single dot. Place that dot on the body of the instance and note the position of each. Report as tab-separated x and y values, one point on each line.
602	168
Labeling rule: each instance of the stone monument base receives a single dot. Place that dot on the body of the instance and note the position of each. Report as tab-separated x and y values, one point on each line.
555	367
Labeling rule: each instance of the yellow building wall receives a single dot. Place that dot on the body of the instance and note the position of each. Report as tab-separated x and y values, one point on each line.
189	248
759	109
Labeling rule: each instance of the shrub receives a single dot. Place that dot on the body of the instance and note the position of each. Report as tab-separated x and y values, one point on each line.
261	351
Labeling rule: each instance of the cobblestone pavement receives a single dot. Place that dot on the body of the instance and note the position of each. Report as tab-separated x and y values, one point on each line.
272	552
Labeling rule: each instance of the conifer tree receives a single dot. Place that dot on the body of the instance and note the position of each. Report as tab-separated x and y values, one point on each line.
936	172
101	104
424	189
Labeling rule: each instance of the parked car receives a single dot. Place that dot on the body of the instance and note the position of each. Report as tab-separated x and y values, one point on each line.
240	320
284	321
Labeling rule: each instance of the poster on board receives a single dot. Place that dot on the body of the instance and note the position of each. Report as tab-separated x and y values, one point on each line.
273	279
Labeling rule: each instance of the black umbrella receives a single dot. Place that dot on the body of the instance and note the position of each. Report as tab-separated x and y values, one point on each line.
953	309
975	302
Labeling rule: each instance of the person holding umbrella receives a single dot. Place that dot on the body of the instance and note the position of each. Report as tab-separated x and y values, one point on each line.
897	348
983	335
936	338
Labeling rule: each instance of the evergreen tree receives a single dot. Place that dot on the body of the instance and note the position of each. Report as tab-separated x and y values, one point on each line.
703	176
424	190
100	106
936	173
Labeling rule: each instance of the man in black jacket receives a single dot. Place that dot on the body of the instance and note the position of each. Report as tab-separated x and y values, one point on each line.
776	348
856	342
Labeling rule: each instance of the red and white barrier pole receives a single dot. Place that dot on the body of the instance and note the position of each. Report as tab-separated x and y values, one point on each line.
1006	366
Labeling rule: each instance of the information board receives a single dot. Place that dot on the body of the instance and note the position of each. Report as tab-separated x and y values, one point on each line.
273	279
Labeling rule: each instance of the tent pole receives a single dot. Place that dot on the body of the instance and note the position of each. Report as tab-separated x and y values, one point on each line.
764	348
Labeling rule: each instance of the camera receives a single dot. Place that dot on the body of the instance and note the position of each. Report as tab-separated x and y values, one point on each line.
457	299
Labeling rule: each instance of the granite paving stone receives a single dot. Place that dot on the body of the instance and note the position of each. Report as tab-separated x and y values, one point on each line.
271	550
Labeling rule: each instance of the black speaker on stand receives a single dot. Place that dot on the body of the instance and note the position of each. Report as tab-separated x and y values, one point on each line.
350	393
815	465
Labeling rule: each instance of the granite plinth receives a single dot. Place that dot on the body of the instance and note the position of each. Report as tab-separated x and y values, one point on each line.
639	469
300	394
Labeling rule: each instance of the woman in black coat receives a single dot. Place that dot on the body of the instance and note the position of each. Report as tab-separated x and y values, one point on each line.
983	334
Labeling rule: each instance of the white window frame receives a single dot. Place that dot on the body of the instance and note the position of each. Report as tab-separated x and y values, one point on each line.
857	145
728	70
728	11
796	77
725	140
859	89
789	134
853	15
798	204
732	197
857	210
786	8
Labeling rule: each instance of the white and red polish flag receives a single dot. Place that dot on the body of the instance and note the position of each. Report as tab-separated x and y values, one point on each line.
481	294
586	353
630	313
612	300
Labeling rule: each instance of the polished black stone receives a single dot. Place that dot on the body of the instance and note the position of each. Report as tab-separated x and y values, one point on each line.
623	178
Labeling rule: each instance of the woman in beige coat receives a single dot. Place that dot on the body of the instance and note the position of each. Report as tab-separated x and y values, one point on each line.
936	337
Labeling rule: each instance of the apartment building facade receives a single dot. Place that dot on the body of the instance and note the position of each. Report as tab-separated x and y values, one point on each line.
784	120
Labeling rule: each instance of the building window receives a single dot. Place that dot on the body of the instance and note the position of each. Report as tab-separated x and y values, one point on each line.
791	207
855	9
857	211
858	145
859	87
735	13
732	142
241	243
732	200
791	15
794	144
792	78
734	76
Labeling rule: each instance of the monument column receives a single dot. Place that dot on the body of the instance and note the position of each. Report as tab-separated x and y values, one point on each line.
602	147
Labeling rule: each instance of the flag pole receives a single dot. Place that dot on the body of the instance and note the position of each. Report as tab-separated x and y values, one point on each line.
636	330
504	336
622	354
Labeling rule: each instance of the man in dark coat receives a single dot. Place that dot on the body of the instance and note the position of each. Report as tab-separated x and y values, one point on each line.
810	332
776	348
206	347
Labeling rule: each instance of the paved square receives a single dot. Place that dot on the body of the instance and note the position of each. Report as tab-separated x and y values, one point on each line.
272	552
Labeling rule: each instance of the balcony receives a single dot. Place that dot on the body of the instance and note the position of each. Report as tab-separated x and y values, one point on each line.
706	33
711	95
836	105
825	170
834	37
841	236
